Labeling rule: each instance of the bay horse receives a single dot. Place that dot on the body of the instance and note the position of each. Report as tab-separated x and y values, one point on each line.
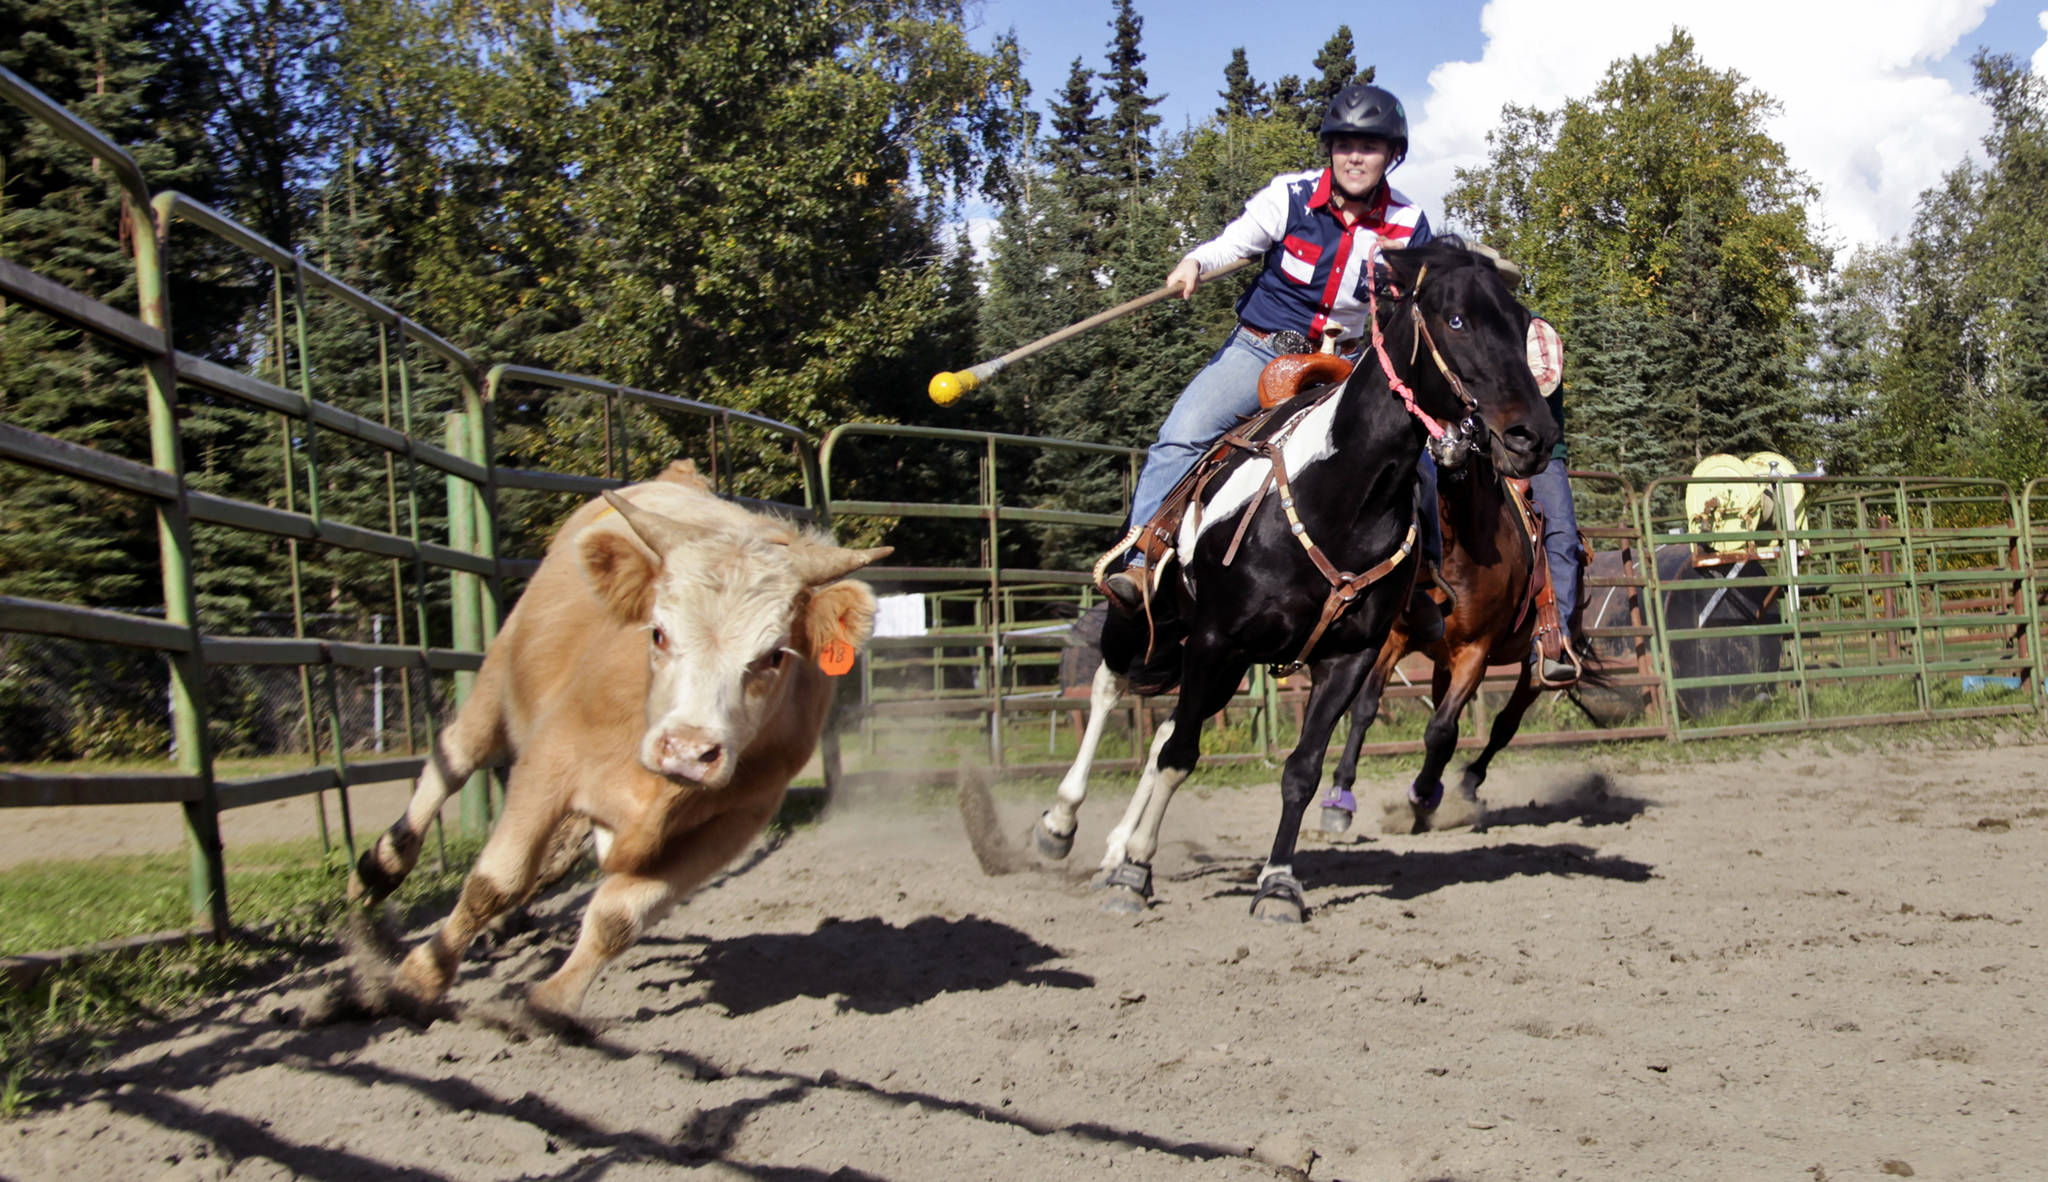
1316	573
1489	562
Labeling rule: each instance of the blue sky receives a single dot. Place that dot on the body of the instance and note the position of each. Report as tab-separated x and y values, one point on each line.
1875	93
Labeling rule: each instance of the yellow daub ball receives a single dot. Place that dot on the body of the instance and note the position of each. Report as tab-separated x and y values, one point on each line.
946	389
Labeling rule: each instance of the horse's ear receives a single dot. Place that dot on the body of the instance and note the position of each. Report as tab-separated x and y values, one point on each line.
1406	266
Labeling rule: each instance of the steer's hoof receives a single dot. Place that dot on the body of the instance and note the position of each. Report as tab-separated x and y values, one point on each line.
1050	845
1128	889
370	883
1279	900
1336	820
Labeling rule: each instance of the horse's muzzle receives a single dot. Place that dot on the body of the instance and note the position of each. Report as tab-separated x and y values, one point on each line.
1520	451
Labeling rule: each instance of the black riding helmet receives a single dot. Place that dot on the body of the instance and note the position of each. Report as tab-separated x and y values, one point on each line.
1367	110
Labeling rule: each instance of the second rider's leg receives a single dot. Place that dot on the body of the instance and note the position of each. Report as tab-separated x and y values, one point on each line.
1425	616
1553	494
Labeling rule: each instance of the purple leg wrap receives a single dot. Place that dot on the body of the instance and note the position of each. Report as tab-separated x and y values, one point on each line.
1340	798
1430	800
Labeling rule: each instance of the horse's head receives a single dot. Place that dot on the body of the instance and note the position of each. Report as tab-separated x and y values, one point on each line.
1464	336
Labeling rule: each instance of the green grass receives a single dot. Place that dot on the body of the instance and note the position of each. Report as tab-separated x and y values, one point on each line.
287	899
50	905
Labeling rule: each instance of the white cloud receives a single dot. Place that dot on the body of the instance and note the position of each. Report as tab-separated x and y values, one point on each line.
979	231
2041	54
1863	114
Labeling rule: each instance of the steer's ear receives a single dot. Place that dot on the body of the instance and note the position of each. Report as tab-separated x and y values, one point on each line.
684	472
839	613
621	570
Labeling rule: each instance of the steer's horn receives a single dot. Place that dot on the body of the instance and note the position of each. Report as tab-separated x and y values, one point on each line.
817	564
662	534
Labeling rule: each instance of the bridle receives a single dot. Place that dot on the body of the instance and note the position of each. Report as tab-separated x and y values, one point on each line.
1449	445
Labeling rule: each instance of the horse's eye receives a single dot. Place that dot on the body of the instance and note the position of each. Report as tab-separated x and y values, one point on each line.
1456	322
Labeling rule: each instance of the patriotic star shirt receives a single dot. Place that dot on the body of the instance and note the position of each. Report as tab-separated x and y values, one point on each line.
1314	264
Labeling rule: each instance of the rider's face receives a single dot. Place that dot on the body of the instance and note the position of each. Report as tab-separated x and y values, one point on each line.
1358	163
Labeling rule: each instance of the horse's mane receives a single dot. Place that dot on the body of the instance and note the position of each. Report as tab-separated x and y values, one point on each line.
1442	251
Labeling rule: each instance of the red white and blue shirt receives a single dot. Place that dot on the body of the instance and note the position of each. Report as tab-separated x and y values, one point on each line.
1314	276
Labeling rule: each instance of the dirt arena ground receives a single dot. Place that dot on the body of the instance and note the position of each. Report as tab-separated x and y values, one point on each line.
1816	964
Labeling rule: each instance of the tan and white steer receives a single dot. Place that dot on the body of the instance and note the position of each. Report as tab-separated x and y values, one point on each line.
660	676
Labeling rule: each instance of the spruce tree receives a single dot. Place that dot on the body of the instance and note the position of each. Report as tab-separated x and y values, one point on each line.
1291	102
1337	67
1967	378
1243	97
1127	128
62	215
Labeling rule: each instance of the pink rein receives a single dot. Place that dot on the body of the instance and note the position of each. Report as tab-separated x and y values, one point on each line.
1379	345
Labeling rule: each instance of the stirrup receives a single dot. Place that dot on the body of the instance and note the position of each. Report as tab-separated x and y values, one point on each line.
1129	591
1557	674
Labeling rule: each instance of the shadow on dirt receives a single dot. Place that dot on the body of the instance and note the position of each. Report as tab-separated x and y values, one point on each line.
870	965
706	1134
1409	874
1590	800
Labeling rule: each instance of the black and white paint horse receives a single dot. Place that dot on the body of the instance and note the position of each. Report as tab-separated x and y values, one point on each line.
1448	346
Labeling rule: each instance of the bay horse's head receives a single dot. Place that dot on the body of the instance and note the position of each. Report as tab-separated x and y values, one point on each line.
1463	338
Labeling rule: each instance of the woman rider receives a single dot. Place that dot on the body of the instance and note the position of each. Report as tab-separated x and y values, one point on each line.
1316	230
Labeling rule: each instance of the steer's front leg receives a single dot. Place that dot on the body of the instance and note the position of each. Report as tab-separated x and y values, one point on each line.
503	874
630	899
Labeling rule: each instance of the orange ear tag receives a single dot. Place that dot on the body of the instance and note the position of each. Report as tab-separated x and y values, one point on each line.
837	659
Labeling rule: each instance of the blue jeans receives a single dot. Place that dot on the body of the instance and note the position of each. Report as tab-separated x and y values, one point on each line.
1226	390
1553	494
1429	522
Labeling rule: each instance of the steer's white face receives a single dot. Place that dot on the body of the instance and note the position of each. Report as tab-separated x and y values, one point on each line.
731	608
719	654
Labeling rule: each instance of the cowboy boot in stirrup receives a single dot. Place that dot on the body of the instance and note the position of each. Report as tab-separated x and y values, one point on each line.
1558	671
1129	588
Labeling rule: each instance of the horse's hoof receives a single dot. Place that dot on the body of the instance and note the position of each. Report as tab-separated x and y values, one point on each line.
1280	900
1128	889
1122	900
1050	845
1336	820
1278	910
1425	800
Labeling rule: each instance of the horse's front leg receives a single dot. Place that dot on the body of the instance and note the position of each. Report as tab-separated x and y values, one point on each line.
1505	724
1337	680
1339	805
1206	686
1053	836
1466	669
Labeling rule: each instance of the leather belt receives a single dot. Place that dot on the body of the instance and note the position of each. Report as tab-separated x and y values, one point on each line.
1345	348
